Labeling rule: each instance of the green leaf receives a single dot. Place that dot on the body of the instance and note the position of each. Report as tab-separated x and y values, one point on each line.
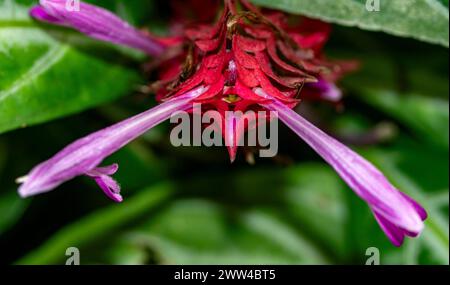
48	72
425	20
11	209
11	205
315	198
275	228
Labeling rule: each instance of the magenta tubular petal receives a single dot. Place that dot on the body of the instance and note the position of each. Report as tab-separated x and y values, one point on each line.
84	155
394	234
40	14
97	23
328	90
230	135
110	187
105	170
366	180
420	210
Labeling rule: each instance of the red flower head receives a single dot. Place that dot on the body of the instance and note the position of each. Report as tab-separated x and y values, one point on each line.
247	49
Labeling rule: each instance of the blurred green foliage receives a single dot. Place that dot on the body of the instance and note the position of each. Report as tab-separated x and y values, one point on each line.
188	205
424	20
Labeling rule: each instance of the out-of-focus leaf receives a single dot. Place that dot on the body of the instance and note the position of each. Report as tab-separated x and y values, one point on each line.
428	117
315	196
3	155
445	2
11	205
48	72
125	252
11	209
424	73
428	77
426	114
274	227
425	20
417	97
201	232
97	225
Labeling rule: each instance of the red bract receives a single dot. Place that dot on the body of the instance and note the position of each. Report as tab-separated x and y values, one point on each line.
247	49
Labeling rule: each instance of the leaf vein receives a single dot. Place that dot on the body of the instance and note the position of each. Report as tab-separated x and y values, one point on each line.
40	66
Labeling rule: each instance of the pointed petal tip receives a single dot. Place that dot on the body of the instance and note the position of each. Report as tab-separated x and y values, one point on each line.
413	223
232	151
396	234
419	209
31	188
22	193
108	185
115	197
26	190
118	198
417	229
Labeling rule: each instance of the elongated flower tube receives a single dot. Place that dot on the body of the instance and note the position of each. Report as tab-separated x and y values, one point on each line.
84	155
397	214
97	23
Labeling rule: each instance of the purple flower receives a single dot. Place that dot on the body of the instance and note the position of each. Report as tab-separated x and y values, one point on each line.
84	155
242	73
327	90
97	23
102	175
397	214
